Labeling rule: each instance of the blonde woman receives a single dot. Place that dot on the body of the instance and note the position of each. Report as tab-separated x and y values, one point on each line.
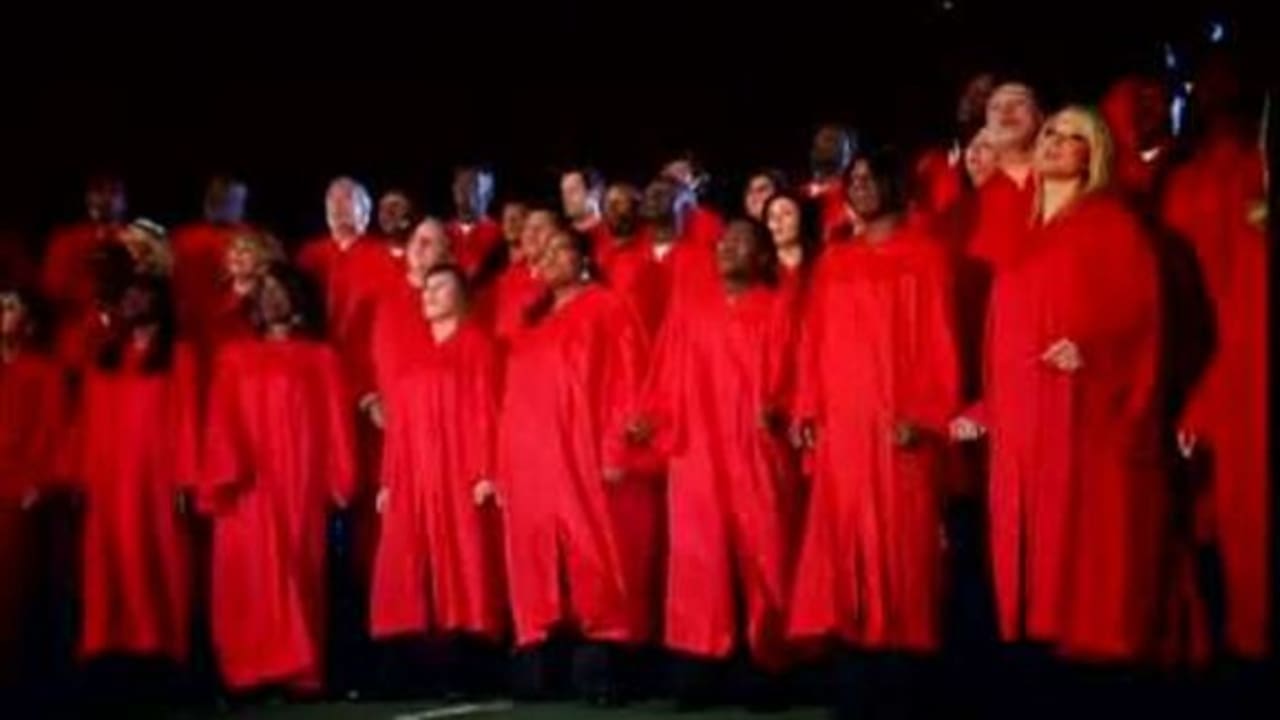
1077	494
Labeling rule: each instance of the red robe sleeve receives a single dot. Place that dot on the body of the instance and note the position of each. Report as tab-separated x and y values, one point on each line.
624	366
225	461
186	416
483	393
340	467
933	387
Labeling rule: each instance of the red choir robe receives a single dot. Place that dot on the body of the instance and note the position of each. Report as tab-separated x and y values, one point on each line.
353	281
505	303
686	268
1078	494
1208	202
472	243
439	566
631	270
938	181
1002	220
704	225
199	259
878	349
1135	169
721	367
572	384
31	425
134	451
67	281
278	454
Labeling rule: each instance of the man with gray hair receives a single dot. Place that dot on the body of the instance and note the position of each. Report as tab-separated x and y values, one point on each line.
350	270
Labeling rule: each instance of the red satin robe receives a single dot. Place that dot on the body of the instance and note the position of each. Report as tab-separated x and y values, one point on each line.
1078	492
67	281
473	243
576	546
878	349
1208	201
830	196
135	449
631	270
720	366
507	300
278	455
439	561
1002	221
1135	169
199	261
32	407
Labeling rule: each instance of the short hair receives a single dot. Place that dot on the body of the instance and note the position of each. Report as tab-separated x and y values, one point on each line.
449	268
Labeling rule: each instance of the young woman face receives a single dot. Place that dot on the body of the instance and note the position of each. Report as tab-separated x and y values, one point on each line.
784	222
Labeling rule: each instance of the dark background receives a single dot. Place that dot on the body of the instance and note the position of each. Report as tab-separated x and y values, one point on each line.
289	98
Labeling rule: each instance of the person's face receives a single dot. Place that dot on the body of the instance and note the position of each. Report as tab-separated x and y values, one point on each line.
394	211
980	158
343	212
659	203
441	297
426	247
620	211
784	222
1062	152
104	201
864	191
830	151
13	316
759	189
1012	116
972	109
243	260
273	302
471	193
533	237
561	263
513	217
224	202
575	196
736	251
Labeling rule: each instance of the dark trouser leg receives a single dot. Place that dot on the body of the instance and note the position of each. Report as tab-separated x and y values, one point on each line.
595	673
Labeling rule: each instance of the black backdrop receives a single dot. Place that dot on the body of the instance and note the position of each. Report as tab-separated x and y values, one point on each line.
289	98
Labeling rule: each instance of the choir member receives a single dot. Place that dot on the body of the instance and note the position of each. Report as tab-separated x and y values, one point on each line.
32	419
626	263
352	271
1005	199
439	567
66	276
475	236
1136	109
134	456
1216	201
703	224
794	227
762	185
199	255
717	406
278	455
1078	498
519	287
833	147
686	264
572	511
581	190
396	220
877	385
398	335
